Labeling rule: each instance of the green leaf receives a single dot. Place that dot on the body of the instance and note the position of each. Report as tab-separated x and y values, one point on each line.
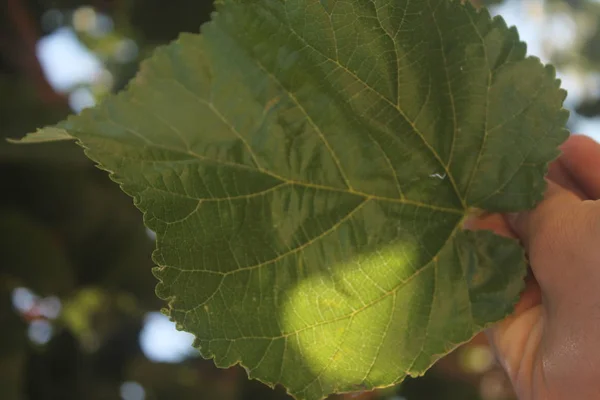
307	166
50	134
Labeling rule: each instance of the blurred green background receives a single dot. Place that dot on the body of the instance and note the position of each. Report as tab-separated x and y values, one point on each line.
78	314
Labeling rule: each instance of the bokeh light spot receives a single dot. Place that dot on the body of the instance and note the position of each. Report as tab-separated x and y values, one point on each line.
162	342
40	331
23	299
132	391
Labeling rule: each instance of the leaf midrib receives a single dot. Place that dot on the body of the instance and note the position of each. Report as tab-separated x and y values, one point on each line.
283	180
381	96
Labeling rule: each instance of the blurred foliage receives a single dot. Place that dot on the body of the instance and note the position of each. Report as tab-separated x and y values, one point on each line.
66	230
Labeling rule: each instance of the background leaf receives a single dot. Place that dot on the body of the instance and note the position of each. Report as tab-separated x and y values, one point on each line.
307	166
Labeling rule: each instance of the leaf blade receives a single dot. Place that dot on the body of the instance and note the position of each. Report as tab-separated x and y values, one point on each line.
311	229
49	134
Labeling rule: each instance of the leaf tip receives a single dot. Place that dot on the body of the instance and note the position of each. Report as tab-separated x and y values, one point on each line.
44	135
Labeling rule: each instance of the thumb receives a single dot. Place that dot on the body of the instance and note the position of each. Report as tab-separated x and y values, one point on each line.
526	224
543	232
555	235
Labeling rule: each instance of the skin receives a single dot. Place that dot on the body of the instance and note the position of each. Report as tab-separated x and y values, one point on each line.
550	346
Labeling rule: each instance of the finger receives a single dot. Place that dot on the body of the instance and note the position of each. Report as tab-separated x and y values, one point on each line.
581	160
496	223
555	235
559	174
515	339
529	225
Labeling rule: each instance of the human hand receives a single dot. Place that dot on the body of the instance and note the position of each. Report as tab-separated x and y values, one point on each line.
550	346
